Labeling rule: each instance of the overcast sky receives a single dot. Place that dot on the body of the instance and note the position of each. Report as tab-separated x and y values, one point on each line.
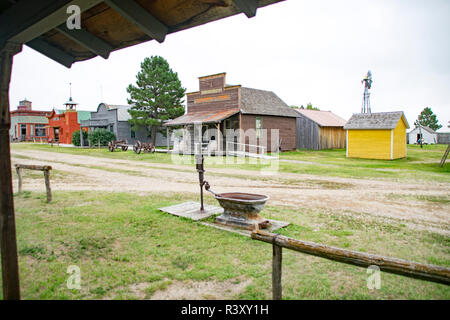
304	51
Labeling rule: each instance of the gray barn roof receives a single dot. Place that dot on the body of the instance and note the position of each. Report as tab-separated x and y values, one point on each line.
261	102
379	120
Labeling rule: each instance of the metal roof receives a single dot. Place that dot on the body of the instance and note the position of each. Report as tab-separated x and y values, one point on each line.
379	120
261	102
107	25
202	116
323	118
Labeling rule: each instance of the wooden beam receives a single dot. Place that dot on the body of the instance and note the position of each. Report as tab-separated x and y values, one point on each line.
87	40
247	6
276	272
8	244
140	17
28	19
51	52
406	268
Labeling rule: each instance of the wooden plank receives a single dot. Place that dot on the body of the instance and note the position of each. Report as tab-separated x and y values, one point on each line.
140	17
247	6
51	52
33	167
87	40
392	265
8	244
276	272
26	20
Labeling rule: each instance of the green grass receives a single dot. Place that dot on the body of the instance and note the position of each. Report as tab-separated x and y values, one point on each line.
420	164
120	240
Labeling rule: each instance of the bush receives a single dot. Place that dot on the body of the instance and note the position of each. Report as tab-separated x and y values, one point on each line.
102	135
76	138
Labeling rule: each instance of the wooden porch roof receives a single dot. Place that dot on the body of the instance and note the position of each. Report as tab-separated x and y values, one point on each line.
203	117
107	25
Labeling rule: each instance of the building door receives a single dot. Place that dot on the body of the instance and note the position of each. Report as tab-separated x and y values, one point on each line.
23	131
419	137
56	133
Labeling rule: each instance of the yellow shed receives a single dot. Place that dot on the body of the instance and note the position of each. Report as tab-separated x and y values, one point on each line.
379	135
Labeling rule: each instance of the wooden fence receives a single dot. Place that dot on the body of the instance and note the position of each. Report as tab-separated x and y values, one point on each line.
46	170
392	265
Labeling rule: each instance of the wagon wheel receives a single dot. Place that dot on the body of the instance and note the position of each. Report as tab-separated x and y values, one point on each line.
152	149
124	148
137	147
110	146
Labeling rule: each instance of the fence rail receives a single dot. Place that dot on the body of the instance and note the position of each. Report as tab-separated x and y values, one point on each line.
406	268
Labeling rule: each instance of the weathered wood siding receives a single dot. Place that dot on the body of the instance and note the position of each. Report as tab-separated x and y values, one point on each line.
312	136
226	98
285	125
331	138
307	133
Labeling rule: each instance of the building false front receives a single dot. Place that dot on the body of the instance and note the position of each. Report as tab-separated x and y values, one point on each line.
27	124
221	117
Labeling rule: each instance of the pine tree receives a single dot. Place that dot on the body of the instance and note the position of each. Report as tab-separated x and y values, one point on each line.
429	119
157	96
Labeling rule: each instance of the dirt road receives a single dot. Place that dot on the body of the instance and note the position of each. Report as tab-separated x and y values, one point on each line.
390	199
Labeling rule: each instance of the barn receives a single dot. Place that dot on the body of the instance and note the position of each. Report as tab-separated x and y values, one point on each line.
319	130
379	135
235	118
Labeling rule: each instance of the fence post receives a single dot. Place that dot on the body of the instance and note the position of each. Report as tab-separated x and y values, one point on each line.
47	185
276	272
19	178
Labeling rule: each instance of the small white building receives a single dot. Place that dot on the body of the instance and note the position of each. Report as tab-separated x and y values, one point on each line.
429	135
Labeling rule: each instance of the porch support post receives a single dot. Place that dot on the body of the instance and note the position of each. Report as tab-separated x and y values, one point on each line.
10	266
168	139
219	139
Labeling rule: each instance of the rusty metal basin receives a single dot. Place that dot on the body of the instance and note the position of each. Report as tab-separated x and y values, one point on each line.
241	210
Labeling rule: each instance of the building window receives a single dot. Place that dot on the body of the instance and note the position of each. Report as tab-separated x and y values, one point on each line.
133	134
39	130
258	127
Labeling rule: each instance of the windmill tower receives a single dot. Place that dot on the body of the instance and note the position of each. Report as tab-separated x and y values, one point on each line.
366	96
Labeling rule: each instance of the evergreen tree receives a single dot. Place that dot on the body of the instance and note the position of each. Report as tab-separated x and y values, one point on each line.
157	96
429	119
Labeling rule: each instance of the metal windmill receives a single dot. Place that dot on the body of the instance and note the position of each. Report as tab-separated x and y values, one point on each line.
366	97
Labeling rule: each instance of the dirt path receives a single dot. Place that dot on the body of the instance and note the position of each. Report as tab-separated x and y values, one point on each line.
389	199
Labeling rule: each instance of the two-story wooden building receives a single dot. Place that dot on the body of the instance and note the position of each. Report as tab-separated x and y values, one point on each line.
28	124
235	117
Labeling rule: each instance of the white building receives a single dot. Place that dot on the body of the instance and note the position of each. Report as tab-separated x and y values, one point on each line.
429	135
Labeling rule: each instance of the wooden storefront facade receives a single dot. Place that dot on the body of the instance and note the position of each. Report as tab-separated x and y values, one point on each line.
235	118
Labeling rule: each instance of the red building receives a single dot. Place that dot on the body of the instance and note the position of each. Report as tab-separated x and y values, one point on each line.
62	126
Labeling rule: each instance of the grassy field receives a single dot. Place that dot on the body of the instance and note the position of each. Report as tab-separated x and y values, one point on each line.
420	164
122	242
127	249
